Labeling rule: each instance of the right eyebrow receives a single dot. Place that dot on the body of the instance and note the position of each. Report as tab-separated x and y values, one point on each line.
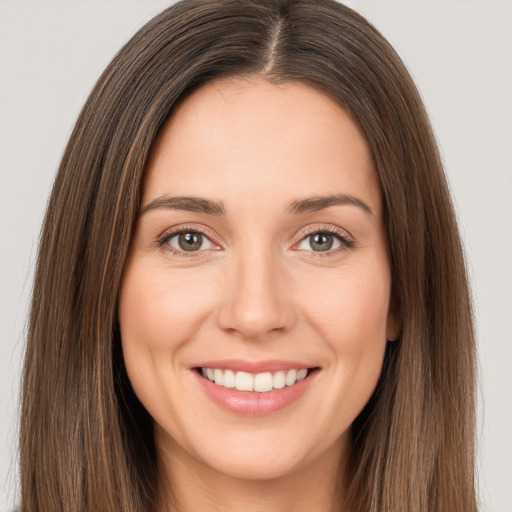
190	204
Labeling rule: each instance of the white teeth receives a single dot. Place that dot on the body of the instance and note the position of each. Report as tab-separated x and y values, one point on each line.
279	380
217	377
259	382
291	377
229	379
244	381
301	374
263	382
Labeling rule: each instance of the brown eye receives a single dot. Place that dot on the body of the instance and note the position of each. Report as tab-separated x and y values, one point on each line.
323	241
189	241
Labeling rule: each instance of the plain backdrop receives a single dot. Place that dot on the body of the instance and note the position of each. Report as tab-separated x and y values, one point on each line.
458	51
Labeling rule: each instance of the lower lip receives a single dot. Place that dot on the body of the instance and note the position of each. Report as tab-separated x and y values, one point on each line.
253	403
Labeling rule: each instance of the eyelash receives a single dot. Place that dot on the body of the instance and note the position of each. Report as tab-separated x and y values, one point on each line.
343	237
166	237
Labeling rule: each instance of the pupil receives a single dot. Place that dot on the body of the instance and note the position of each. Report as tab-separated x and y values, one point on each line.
322	242
190	241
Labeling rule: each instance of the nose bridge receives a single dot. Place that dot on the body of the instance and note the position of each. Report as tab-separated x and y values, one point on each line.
255	300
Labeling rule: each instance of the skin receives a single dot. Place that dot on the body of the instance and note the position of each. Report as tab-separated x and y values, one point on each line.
257	289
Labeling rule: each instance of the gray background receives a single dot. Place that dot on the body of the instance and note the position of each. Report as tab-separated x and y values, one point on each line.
459	52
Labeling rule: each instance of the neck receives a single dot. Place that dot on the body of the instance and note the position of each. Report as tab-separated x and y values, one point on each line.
192	486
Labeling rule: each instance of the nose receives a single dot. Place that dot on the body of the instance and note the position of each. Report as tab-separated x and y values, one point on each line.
256	299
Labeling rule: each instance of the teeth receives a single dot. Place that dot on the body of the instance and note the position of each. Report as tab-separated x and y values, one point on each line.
263	382
291	377
259	382
301	374
217	376
229	379
279	380
243	381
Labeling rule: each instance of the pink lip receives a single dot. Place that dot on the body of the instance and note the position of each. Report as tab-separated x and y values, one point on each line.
253	403
241	365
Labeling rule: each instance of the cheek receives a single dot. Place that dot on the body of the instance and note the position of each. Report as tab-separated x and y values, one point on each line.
351	314
156	312
352	307
155	321
157	317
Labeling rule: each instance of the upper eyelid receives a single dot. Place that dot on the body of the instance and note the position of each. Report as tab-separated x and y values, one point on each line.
345	238
335	230
203	230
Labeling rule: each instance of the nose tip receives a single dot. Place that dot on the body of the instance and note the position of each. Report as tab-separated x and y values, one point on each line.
256	302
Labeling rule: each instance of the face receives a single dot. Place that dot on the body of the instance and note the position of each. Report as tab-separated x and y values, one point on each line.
259	262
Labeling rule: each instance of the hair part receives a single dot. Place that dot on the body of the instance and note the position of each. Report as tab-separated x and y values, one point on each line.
86	442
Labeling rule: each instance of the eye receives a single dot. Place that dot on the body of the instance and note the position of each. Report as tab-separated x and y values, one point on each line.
186	241
324	241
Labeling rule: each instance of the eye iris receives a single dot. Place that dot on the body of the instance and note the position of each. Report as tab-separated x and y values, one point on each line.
321	242
190	241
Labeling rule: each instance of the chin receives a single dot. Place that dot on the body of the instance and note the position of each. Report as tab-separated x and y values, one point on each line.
258	468
262	455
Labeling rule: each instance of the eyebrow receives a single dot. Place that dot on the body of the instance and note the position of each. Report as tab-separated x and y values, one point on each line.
190	204
306	205
314	204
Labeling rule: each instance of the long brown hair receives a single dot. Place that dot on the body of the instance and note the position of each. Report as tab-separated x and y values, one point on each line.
86	442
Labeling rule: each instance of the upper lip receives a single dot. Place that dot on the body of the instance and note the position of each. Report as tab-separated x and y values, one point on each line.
242	365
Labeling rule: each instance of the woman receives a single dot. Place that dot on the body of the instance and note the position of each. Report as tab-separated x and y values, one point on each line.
250	289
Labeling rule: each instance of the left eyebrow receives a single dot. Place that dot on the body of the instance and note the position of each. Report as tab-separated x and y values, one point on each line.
316	203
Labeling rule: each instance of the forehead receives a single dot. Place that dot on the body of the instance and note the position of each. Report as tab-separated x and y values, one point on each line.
245	139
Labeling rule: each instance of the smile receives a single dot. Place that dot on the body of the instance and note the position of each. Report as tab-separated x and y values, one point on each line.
254	388
259	382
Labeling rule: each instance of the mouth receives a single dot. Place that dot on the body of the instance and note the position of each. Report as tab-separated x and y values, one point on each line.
254	389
